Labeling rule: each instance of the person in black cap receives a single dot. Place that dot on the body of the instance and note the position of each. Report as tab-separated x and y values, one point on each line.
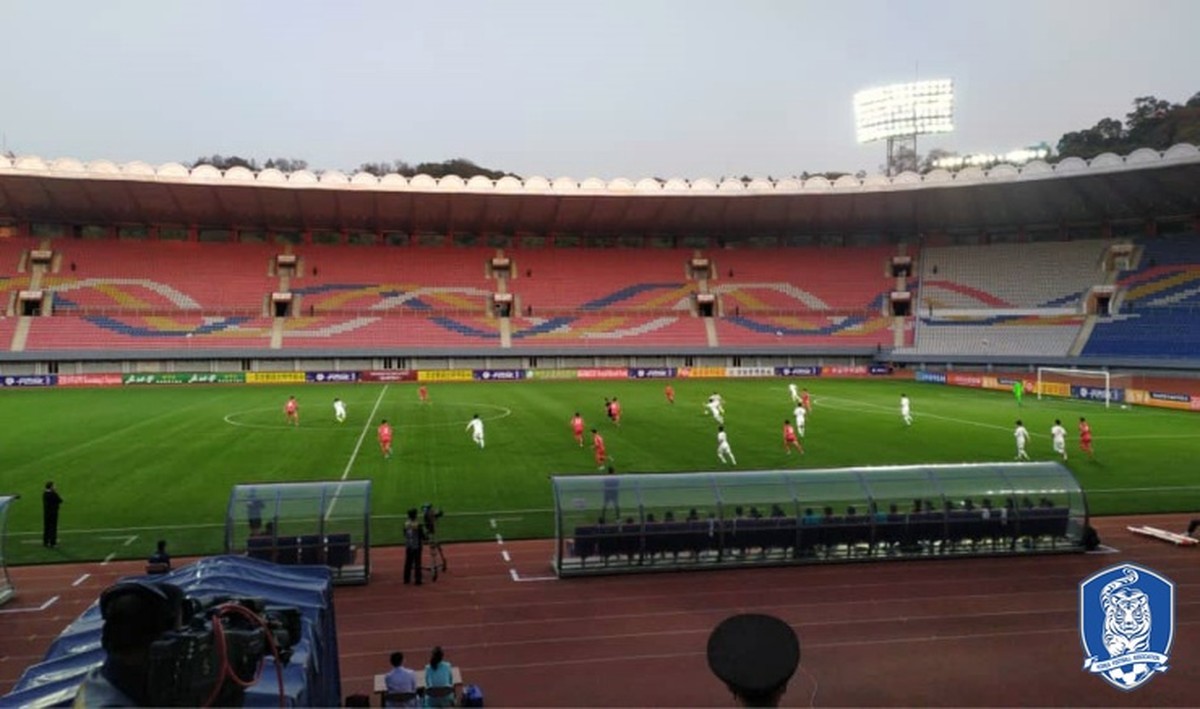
754	655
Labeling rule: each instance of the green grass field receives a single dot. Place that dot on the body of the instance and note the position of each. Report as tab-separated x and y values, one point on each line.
160	462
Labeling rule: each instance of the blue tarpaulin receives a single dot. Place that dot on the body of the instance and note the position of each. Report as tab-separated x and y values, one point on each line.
311	678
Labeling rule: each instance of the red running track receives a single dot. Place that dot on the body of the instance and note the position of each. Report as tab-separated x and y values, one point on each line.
978	632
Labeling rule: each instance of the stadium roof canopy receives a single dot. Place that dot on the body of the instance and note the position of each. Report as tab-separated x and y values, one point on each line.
1142	185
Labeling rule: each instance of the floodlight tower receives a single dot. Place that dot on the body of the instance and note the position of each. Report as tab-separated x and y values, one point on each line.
901	112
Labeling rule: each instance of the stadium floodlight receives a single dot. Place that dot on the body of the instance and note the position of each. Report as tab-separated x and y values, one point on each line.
1012	157
900	112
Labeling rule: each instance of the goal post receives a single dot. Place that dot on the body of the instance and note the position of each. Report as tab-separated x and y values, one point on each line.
1090	384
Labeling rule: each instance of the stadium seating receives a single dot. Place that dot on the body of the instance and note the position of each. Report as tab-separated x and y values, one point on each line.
151	295
852	279
999	336
179	333
601	279
620	330
1159	305
1029	275
123	276
408	331
348	278
807	330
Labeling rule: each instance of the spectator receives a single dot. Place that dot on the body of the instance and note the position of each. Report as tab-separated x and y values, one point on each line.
160	561
754	655
438	673
400	681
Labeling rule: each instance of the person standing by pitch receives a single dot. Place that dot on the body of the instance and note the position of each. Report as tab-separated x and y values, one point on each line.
51	501
414	539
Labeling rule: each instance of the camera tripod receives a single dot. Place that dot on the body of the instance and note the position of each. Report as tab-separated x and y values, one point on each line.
437	559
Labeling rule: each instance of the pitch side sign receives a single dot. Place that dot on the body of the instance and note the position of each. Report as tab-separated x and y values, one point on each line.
29	380
331	377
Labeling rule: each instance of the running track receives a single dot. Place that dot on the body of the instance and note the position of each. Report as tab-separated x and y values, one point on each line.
932	633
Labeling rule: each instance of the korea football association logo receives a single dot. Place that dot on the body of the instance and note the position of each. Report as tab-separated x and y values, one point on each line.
1126	623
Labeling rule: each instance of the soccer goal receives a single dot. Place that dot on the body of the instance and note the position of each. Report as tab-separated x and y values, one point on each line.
1091	384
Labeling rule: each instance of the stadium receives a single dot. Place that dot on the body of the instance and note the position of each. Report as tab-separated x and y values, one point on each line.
1078	278
920	436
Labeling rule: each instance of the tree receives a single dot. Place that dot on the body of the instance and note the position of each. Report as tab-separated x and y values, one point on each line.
1153	123
224	163
286	164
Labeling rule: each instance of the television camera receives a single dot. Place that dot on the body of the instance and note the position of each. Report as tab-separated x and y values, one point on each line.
219	651
437	558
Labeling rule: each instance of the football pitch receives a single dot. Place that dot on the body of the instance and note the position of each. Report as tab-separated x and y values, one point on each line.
138	464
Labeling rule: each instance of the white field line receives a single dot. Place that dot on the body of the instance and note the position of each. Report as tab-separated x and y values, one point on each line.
40	608
81	579
357	446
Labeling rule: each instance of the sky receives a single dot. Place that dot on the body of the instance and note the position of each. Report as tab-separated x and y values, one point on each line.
606	88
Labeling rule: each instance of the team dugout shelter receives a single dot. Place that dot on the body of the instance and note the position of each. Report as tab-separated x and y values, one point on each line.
7	591
635	523
304	523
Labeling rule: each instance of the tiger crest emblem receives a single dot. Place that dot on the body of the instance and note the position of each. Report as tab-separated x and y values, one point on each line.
1127	623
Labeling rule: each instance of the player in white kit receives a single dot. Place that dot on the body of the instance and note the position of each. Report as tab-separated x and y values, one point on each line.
799	413
339	410
1058	434
475	426
1022	435
906	409
723	448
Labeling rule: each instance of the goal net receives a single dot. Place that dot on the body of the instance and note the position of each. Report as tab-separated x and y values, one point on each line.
1090	384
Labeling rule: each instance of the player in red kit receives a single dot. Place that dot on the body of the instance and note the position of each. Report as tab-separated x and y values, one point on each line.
598	445
385	438
1085	437
670	394
615	408
423	394
805	401
789	438
577	428
292	411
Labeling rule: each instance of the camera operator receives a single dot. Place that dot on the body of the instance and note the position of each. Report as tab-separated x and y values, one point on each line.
135	614
437	558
